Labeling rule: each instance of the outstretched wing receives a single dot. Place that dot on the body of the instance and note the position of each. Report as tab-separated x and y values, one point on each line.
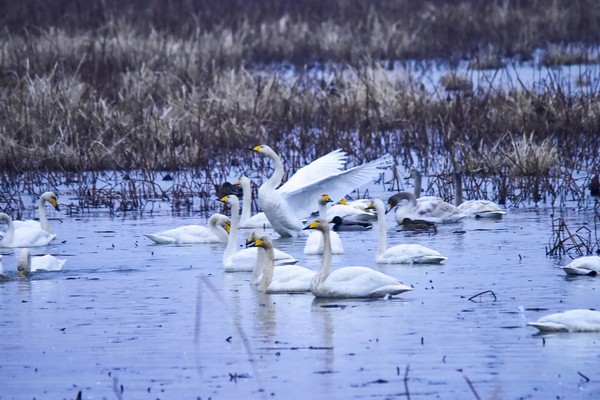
329	164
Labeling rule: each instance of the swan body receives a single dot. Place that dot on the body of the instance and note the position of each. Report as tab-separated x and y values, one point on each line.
350	282
314	241
401	253
285	206
246	221
569	321
360	204
431	209
348	212
283	278
25	236
244	260
588	265
43	223
216	232
27	264
475	208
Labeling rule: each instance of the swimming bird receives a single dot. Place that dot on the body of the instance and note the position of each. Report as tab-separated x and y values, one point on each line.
401	253
341	225
29	236
350	282
258	220
432	209
27	264
216	232
418	225
43	222
587	265
283	278
285	206
475	208
578	320
314	241
244	260
348	212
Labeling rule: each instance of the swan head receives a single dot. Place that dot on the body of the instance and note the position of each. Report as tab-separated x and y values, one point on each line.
231	199
320	224
24	263
413	174
343	202
262	149
263	242
395	200
5	217
254	236
52	199
324	199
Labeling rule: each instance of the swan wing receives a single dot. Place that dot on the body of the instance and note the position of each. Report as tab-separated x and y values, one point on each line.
187	234
569	321
29	237
244	260
481	208
314	243
410	254
291	279
47	263
256	221
358	281
328	164
303	200
588	265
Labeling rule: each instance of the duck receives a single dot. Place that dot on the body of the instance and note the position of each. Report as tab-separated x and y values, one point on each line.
227	188
474	208
340	225
258	220
285	206
217	231
314	241
244	260
577	320
43	222
25	236
401	253
431	209
587	265
351	281
418	225
27	264
280	279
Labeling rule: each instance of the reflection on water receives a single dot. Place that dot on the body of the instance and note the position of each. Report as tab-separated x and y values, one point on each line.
140	320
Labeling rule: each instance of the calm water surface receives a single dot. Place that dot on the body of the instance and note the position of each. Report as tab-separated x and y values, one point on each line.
128	319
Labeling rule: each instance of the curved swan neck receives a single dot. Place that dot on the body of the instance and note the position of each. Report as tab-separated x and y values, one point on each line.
10	229
43	217
214	224
382	226
275	180
247	200
234	203
269	268
458	196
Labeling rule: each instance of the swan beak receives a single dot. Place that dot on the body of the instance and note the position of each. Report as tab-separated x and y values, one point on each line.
238	182
54	204
224	199
256	243
327	198
312	225
256	148
388	208
228	228
371	206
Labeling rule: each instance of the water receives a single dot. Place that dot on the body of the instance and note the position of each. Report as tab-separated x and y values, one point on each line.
128	319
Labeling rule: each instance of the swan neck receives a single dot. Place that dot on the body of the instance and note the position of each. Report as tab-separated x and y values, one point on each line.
216	228
322	209
10	231
43	217
275	180
233	231
326	261
381	227
269	269
247	201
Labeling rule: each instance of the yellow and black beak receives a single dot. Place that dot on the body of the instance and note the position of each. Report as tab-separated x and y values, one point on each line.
54	203
256	243
371	206
224	199
228	228
327	198
256	148
312	225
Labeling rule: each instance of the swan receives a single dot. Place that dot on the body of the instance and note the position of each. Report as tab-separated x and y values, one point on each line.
360	204
569	321
475	208
244	260
401	253
287	205
24	237
350	282
246	221
28	264
283	278
588	265
43	223
347	212
216	232
314	241
432	209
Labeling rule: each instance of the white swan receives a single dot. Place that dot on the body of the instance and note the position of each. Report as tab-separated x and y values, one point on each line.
258	220
216	232
569	321
287	205
588	265
244	260
432	209
474	208
350	282
43	222
401	253
24	237
283	278
348	212
314	241
27	264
